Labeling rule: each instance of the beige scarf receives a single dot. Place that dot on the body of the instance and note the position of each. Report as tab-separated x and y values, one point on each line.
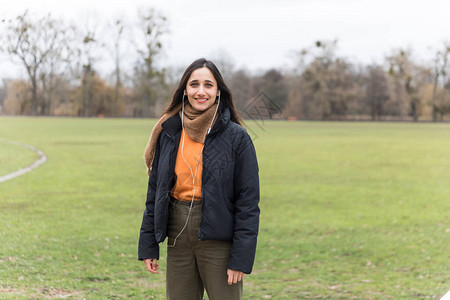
196	124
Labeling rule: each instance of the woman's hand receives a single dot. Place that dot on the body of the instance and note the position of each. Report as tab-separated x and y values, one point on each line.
234	276
151	265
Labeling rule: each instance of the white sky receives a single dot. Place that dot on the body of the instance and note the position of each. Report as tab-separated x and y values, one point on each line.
260	34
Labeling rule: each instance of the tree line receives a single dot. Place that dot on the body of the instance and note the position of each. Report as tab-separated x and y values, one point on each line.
62	63
62	60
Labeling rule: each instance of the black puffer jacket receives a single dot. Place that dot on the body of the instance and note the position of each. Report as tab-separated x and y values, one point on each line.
230	191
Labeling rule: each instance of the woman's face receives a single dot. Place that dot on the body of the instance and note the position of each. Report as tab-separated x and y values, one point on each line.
201	89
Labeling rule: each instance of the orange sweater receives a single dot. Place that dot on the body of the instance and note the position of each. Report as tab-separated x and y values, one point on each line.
192	151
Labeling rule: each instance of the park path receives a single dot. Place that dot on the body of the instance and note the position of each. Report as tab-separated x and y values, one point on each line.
42	159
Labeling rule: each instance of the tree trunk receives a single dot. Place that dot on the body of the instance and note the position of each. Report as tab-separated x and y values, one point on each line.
34	96
433	98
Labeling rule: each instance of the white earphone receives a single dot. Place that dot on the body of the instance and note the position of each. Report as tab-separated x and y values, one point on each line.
198	161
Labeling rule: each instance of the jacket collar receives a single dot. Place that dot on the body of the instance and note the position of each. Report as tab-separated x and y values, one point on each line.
173	124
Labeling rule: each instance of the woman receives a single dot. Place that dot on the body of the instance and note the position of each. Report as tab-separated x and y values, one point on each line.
203	190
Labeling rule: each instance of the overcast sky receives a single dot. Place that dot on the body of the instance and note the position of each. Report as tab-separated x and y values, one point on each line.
261	34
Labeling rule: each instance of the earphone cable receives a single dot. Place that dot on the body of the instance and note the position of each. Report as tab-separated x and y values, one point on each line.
190	169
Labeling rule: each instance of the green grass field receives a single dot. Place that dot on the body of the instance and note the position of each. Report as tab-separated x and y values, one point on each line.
348	210
13	157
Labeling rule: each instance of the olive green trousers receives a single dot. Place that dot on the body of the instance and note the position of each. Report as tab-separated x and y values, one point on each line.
194	265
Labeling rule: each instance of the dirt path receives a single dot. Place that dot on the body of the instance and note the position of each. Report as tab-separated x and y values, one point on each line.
42	159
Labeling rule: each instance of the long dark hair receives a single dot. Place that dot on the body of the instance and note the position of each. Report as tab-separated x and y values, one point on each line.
226	97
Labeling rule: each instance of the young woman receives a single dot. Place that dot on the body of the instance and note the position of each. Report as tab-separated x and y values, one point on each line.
203	191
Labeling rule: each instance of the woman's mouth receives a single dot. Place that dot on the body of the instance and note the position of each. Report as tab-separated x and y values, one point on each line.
201	100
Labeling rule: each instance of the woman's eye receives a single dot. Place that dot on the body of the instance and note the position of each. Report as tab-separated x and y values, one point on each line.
194	84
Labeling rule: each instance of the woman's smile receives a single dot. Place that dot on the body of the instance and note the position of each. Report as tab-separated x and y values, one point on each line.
201	89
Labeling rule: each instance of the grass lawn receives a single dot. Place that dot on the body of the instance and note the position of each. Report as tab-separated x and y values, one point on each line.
14	157
348	210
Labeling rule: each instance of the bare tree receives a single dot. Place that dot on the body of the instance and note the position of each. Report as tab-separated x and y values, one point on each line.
88	56
54	69
118	82
40	48
116	30
273	83
241	84
149	80
410	75
326	80
377	91
440	95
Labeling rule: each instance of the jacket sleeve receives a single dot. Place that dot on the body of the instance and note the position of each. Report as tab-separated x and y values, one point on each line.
148	246
246	210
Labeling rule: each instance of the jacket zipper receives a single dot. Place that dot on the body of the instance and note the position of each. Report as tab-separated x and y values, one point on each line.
174	157
203	198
